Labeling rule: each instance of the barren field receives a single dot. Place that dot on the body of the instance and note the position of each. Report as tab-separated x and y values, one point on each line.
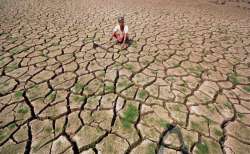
182	86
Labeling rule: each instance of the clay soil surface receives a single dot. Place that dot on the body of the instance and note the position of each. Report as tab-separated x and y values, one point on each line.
182	85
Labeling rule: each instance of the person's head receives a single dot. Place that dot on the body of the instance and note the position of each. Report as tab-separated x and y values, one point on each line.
121	21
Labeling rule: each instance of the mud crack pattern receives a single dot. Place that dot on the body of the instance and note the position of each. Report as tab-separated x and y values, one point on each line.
182	86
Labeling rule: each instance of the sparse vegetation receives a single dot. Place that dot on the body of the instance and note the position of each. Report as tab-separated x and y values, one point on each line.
164	124
78	99
211	109
12	126
234	78
23	110
78	87
14	50
129	66
129	116
228	105
195	125
202	148
52	96
34	91
176	108
18	94
218	132
12	66
247	89
109	88
240	115
123	83
48	129
151	149
183	89
142	94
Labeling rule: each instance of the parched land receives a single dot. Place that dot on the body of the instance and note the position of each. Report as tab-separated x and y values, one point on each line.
182	85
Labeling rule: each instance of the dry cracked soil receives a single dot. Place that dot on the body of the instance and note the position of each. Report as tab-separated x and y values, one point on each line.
182	85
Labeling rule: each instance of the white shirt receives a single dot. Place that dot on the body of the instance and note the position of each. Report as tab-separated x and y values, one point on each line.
118	29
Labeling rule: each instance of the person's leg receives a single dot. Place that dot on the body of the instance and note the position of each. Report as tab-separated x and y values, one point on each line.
118	37
126	41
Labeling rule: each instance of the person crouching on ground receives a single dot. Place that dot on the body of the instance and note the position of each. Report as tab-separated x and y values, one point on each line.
120	33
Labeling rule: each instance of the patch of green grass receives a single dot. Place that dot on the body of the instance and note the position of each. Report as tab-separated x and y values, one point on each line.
18	94
58	129
25	49
48	129
15	50
164	124
129	66
123	83
36	147
52	96
12	67
129	116
116	65
206	98
34	91
150	149
23	110
209	121
211	109
183	89
184	84
78	87
176	108
78	98
234	78
12	126
195	125
142	94
228	105
202	148
109	88
247	89
88	89
240	115
218	132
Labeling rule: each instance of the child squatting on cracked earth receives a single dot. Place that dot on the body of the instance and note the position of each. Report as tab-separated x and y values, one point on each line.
120	33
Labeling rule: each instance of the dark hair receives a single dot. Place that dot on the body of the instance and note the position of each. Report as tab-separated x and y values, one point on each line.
121	18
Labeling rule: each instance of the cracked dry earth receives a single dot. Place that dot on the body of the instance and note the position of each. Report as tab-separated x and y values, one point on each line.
182	86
